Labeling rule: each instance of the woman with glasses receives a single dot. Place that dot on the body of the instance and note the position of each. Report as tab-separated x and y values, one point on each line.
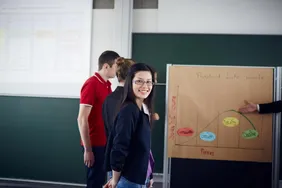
128	147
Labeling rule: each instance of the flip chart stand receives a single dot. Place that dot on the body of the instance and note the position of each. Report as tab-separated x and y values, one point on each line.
190	172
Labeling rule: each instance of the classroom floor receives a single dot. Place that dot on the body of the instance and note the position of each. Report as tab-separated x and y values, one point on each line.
4	184
28	185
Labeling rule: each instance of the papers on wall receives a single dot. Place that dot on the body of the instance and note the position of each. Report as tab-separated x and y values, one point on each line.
44	46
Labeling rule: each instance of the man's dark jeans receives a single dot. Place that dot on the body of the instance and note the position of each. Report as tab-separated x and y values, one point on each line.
96	175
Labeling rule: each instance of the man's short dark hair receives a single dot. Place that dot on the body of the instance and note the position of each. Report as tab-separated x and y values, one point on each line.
107	57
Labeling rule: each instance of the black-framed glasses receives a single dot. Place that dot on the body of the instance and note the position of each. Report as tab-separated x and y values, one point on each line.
142	82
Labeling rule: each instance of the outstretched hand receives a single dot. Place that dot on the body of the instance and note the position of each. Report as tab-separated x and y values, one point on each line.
248	107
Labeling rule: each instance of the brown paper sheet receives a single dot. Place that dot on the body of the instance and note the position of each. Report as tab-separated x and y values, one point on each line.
203	121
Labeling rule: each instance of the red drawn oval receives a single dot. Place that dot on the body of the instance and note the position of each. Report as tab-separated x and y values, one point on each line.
185	131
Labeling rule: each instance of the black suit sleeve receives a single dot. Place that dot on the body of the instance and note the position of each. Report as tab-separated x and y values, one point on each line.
125	126
273	107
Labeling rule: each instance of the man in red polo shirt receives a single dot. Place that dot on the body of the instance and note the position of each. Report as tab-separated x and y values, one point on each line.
90	121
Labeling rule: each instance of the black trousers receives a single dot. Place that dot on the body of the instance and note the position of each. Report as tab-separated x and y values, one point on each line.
96	175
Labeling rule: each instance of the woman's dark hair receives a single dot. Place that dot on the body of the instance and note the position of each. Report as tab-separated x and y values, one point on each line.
153	69
128	95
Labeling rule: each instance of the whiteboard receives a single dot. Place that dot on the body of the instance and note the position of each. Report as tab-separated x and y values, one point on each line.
44	47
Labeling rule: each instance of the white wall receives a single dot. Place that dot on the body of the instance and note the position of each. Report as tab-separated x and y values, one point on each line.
112	31
217	16
102	37
172	16
191	16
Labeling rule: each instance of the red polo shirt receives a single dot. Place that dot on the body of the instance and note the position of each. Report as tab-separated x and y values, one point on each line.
93	93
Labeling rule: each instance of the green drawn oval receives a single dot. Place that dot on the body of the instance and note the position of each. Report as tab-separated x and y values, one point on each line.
250	134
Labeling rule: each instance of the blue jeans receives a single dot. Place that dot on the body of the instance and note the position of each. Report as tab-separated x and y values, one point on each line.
96	175
124	183
110	175
147	182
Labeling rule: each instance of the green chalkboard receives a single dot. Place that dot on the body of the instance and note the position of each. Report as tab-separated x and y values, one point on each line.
40	140
159	50
39	136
